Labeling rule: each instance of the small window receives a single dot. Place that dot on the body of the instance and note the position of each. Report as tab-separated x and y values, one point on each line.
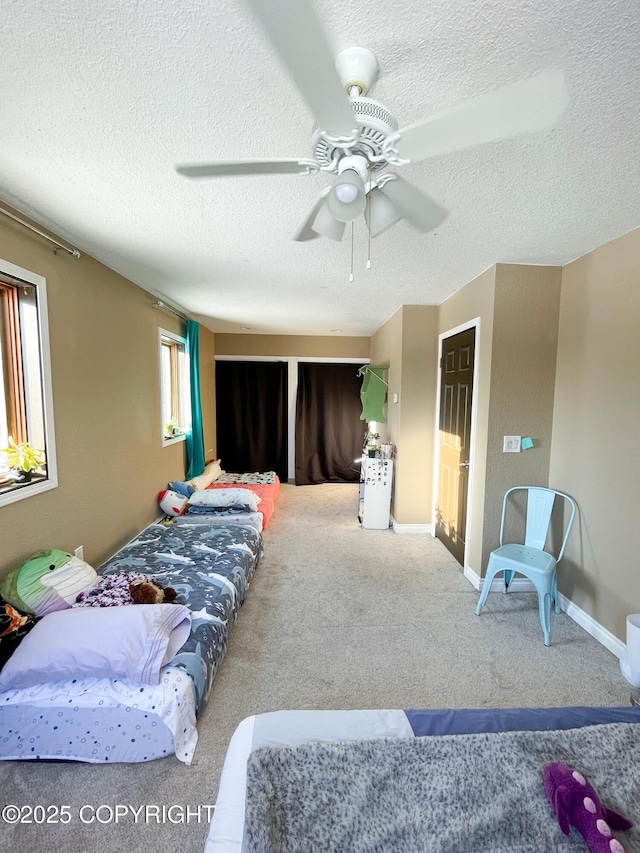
174	387
27	452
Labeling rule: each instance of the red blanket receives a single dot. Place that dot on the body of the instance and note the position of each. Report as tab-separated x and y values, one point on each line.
267	492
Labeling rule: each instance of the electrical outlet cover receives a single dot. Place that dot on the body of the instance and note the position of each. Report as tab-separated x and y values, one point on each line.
511	444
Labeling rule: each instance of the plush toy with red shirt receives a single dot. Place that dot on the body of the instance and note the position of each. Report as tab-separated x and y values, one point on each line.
171	503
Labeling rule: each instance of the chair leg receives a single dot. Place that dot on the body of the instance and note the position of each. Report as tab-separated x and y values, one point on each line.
508	577
555	593
544	608
486	586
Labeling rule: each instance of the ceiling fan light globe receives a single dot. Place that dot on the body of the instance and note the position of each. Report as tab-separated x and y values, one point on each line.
326	225
382	213
344	187
346	192
421	211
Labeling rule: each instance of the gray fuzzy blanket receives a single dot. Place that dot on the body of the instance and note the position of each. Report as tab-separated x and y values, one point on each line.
480	793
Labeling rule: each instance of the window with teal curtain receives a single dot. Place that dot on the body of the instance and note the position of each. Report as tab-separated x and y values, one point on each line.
194	439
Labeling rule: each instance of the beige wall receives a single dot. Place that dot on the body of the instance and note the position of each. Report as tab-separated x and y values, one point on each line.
292	346
386	349
594	451
523	367
407	342
475	301
106	397
414	498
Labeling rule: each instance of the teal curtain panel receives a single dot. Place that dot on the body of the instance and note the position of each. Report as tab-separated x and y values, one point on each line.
194	440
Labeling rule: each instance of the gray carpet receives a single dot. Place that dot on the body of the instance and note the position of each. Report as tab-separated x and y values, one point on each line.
336	617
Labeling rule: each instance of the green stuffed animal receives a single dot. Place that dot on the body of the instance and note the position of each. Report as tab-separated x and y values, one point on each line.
47	581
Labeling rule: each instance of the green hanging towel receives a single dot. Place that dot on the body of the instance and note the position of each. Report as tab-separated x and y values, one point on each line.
373	393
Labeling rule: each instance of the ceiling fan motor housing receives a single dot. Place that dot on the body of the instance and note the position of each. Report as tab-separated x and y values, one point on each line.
375	123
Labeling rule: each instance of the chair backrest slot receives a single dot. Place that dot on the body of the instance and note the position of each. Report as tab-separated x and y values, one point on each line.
539	507
540	501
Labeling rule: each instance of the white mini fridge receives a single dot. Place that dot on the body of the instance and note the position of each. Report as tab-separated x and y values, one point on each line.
374	510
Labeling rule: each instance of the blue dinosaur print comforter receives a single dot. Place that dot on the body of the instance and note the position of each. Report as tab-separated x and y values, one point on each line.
210	568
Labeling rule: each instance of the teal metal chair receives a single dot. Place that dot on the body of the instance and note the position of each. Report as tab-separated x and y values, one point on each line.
530	559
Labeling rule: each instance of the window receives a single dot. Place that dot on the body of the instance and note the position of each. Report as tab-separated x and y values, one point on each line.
26	411
174	387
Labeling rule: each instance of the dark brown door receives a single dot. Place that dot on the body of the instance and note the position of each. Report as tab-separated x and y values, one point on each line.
456	386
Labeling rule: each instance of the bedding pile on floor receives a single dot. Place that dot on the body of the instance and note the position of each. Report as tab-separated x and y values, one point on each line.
225	498
470	793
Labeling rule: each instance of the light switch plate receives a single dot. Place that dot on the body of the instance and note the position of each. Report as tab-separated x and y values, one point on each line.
511	444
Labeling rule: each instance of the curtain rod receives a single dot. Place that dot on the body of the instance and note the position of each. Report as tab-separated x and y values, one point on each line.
74	252
164	306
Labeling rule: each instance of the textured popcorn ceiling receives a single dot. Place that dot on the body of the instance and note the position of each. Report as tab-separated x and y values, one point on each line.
99	101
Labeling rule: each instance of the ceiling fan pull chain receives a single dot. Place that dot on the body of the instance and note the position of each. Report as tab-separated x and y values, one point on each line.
351	273
369	224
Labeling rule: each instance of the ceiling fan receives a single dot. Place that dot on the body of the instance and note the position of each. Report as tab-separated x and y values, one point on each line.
357	138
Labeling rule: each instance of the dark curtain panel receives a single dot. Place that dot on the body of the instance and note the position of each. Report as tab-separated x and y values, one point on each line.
251	416
329	432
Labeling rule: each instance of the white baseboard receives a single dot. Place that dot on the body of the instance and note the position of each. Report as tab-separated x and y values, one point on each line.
601	634
516	585
472	577
597	631
412	528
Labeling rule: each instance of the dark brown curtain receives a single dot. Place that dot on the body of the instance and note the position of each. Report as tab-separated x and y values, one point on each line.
251	416
329	432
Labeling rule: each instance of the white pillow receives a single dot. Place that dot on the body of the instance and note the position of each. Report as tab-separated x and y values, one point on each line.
226	497
213	470
133	641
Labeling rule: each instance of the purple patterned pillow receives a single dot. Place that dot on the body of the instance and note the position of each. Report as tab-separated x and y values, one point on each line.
111	590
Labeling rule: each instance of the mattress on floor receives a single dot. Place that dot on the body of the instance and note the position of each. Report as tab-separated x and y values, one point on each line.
99	720
296	728
210	567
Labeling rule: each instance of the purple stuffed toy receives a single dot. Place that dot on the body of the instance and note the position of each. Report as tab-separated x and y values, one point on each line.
576	804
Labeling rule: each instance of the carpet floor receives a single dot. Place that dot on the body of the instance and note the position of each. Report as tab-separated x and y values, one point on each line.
336	617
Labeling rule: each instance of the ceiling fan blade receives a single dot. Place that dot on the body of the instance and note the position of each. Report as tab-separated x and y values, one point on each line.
304	232
244	167
296	34
524	107
418	209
